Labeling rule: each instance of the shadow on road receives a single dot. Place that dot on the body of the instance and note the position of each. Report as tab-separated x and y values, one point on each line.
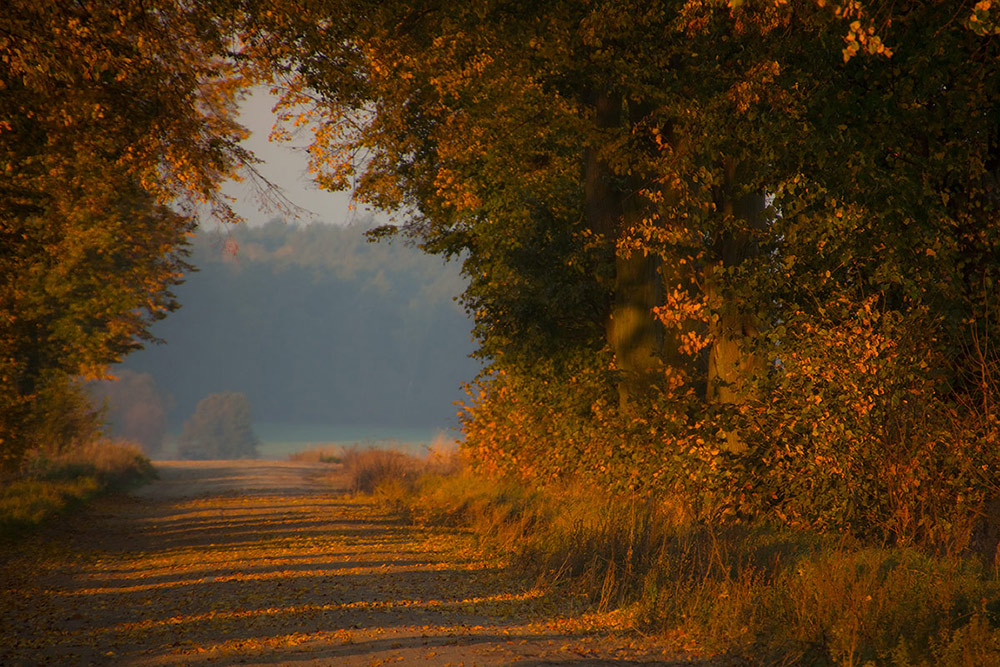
261	562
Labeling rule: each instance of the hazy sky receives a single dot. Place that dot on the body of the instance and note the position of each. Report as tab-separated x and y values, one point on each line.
286	165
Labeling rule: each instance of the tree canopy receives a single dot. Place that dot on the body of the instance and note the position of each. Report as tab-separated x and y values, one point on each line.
116	125
712	226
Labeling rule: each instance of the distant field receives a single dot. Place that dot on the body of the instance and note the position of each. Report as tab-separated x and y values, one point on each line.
278	440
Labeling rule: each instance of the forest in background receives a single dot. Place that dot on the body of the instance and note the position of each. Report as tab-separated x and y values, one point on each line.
314	324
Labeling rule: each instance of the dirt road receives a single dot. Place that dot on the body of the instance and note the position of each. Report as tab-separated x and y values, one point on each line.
269	563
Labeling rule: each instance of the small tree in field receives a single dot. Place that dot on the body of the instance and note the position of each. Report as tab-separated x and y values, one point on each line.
219	429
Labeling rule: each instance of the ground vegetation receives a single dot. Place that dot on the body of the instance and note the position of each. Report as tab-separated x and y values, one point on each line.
55	481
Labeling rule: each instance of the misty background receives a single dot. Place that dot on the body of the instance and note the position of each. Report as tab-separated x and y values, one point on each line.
330	337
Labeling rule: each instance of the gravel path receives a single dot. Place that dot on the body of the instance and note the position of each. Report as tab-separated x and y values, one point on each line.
267	562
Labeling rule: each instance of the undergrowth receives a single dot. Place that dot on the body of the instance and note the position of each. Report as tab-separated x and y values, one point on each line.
50	483
760	594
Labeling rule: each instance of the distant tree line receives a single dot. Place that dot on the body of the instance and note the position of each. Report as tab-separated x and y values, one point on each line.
313	324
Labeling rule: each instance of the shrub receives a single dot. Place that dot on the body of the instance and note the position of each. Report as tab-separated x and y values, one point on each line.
327	454
368	469
854	428
56	411
857	433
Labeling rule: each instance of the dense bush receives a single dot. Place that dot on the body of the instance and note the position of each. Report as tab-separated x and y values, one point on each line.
854	427
859	430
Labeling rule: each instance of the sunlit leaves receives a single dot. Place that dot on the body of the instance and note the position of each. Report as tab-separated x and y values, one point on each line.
802	176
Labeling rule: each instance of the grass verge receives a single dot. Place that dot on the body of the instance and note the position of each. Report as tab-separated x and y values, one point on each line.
49	484
760	595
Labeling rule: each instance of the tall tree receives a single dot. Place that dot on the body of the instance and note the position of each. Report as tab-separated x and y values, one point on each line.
108	113
754	173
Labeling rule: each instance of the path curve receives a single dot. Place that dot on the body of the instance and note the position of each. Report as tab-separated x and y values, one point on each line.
269	562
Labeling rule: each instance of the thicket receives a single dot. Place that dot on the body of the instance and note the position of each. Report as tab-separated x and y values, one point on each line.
850	433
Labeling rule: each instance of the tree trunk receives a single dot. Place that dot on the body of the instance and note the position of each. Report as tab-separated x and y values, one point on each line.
730	362
633	334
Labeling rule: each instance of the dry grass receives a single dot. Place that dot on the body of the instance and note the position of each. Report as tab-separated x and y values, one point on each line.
112	463
390	472
51	482
759	594
382	467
